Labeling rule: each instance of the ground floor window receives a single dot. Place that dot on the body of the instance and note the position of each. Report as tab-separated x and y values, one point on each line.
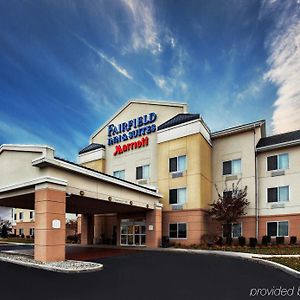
31	231
132	233
233	230
278	228
178	231
21	231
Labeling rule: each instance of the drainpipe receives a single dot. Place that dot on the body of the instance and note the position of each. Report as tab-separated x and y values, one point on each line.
256	188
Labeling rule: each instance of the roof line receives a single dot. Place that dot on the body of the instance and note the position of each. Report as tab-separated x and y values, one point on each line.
238	128
145	101
278	145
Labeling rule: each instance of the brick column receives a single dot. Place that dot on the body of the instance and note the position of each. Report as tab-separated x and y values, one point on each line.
154	227
87	229
50	224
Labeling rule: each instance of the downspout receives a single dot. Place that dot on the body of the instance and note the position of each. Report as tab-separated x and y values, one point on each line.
256	187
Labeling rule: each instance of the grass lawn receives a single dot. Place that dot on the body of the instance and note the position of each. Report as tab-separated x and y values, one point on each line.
16	240
270	250
292	262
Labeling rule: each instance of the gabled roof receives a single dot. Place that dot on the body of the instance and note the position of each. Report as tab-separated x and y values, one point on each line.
279	140
91	147
140	101
178	119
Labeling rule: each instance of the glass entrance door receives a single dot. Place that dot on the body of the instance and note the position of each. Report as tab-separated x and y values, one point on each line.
132	233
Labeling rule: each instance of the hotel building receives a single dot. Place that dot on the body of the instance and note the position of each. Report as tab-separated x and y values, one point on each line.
150	171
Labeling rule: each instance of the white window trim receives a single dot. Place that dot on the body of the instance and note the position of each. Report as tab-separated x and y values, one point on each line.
277	162
241	223
119	172
177	238
278	186
186	195
231	174
278	228
143	178
186	163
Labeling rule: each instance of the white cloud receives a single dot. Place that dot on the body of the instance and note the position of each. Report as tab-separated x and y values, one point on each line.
144	28
111	61
283	45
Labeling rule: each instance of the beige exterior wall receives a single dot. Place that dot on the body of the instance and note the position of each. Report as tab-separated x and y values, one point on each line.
236	146
147	155
290	178
98	165
196	178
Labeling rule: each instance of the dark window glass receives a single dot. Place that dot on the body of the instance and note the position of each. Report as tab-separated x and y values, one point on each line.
272	194
272	229
182	230
227	167
173	196
272	163
139	172
173	230
173	164
15	216
227	194
31	215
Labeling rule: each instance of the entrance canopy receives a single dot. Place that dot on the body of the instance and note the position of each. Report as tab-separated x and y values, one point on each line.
33	178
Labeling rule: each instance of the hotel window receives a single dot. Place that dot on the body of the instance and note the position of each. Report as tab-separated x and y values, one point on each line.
178	231
31	231
142	172
177	164
15	216
21	215
278	162
31	215
232	167
21	231
119	174
278	228
177	196
234	230
279	194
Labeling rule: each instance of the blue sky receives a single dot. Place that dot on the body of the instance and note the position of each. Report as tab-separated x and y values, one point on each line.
66	66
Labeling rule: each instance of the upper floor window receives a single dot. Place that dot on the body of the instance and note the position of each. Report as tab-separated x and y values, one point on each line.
142	172
15	216
278	162
177	164
21	215
119	174
279	194
177	196
278	228
232	167
31	215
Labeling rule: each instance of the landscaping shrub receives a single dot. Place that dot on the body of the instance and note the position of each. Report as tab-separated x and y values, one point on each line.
293	240
266	240
242	241
279	240
72	239
229	240
165	242
219	241
208	239
4	232
252	242
22	236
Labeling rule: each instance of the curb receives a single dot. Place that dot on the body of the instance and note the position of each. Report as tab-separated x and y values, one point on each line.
97	267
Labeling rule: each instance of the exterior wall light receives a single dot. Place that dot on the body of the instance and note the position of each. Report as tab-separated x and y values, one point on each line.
131	202
109	198
81	193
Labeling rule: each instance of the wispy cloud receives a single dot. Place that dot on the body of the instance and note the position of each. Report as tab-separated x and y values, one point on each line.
109	60
283	45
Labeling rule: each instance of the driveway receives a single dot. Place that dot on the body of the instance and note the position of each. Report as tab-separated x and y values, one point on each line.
148	275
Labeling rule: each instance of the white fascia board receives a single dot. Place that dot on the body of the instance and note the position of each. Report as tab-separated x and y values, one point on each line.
84	171
182	130
277	146
33	182
141	101
91	156
26	148
237	129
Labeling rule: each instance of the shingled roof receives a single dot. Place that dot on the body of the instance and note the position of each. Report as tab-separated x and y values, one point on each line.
178	119
91	147
279	139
